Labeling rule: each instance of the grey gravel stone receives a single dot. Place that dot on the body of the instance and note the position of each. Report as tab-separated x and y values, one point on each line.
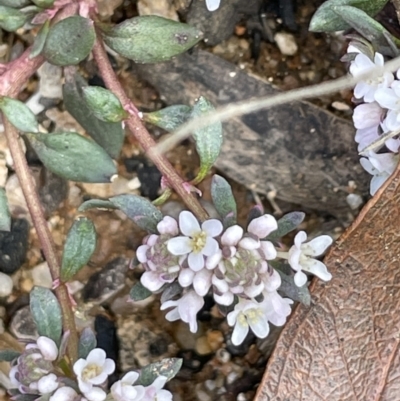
23	326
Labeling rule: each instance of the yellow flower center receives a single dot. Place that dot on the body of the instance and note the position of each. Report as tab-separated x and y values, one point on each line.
199	241
91	371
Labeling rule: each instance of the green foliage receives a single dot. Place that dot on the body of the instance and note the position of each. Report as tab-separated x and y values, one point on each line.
286	224
223	200
11	19
5	217
46	313
290	289
78	248
8	355
151	39
140	210
208	139
138	292
69	41
168	367
169	118
96	203
44	3
73	156
104	104
18	114
14	3
87	342
40	39
327	20
110	136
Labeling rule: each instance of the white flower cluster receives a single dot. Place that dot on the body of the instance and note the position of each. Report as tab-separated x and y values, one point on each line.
233	264
379	114
35	373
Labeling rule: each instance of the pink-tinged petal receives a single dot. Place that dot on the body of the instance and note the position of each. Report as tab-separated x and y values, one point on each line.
152	240
260	326
268	250
47	384
232	235
300	237
360	90
273	281
141	253
151	280
188	308
211	247
221	285
186	277
212	227
224	299
239	333
300	278
96	356
367	115
202	282
164	395
179	245
79	365
159	383
48	348
64	394
262	226
387	98
168	225
317	246
96	394
188	224
213	260
253	290
318	269
249	243
196	261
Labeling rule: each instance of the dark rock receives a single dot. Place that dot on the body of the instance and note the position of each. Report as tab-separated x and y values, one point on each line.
13	246
107	282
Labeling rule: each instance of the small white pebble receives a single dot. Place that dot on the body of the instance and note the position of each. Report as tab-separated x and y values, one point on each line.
354	201
286	43
341	106
6	285
41	275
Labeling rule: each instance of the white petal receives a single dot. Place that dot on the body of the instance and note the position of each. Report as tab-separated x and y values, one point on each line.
376	182
109	366
300	278
168	225
64	394
202	282
300	237
272	282
48	348
47	384
262	226
239	333
79	365
141	253
225	299
188	224
232	235
179	245
196	261
212	5
317	246
249	243
99	379
96	356
213	260
173	315
387	98
367	166
268	250
318	269
221	285
254	290
151	280
260	326
294	258
130	378
212	227
186	277
211	247
232	316
96	394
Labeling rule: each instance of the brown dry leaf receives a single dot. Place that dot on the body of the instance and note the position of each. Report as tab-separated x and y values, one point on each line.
345	347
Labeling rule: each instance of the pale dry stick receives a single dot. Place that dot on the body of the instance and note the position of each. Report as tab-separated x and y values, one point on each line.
249	106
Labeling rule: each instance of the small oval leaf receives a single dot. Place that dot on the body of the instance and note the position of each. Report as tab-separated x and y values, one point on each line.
14	3
96	204
169	118
168	367
40	39
208	139
326	20
79	247
290	289
73	156
43	3
46	313
5	217
11	19
8	355
151	39
69	41
87	342
286	224
19	114
223	200
140	210
110	136
139	292
104	104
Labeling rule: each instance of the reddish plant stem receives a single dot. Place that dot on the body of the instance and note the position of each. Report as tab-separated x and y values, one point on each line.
39	221
139	131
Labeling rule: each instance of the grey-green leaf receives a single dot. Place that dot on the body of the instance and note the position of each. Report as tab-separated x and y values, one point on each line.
44	3
138	292
286	224
69	41
11	19
5	217
8	355
96	204
326	20
73	156
104	104
169	118
14	3
87	342
223	200
151	39
79	247
40	39
110	136
46	313
290	289
19	114
140	210
208	139
168	367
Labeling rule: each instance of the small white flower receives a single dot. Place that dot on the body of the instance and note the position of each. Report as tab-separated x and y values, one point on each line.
64	394
155	391
277	309
185	308
47	384
124	390
93	371
301	257
389	98
168	225
201	280
212	5
381	166
366	89
197	242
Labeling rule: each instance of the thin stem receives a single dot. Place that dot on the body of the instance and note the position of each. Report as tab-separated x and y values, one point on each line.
35	209
136	127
